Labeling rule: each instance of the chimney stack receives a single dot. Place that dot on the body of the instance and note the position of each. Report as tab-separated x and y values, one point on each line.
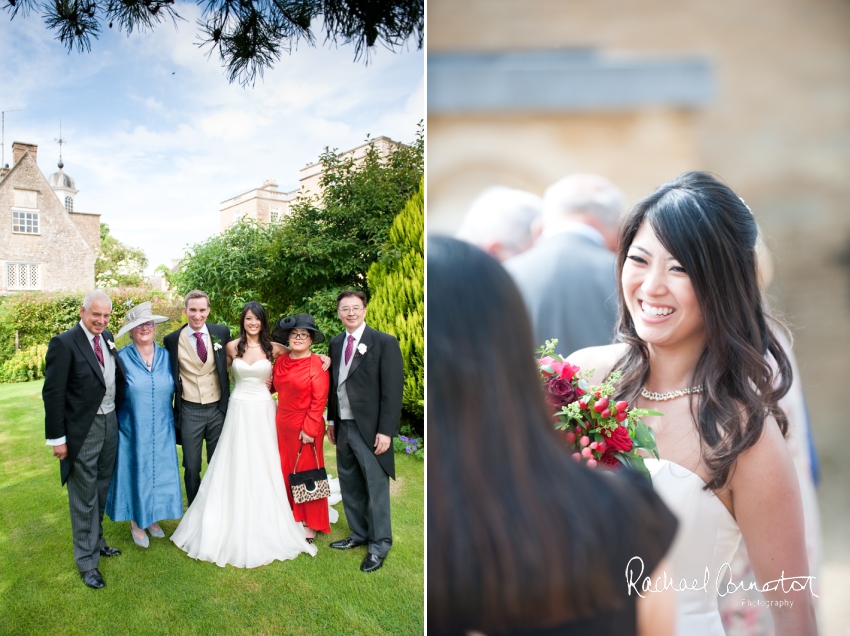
19	148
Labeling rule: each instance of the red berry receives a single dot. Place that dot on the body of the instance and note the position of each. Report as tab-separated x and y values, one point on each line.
584	441
571	437
582	404
591	463
601	405
621	416
602	447
622	405
586	452
577	457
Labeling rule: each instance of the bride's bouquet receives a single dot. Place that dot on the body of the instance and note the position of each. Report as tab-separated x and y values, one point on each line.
601	433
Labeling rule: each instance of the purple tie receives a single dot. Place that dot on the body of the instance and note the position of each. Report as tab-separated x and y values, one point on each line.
97	350
349	348
202	348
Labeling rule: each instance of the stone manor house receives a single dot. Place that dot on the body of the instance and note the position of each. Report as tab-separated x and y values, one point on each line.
267	204
45	244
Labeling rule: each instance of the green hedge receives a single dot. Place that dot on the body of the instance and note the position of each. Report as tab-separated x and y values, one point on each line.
37	317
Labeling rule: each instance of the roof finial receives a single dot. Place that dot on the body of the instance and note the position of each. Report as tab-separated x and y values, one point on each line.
60	141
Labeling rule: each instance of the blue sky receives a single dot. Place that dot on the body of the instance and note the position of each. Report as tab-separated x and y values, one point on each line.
157	138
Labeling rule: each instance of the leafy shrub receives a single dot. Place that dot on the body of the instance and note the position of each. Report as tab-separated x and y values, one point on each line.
397	305
24	366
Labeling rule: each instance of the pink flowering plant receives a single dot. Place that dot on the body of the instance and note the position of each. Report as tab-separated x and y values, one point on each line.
600	433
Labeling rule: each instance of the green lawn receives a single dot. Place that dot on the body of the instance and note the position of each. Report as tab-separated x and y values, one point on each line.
161	590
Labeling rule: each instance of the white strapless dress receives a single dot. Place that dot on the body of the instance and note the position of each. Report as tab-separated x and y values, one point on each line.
707	538
241	514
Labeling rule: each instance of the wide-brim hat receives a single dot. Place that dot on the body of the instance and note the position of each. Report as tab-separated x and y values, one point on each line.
139	315
298	321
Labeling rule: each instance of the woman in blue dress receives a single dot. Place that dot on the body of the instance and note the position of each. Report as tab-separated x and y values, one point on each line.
146	482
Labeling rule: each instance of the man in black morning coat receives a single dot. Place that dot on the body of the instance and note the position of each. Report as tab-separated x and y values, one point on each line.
364	407
83	387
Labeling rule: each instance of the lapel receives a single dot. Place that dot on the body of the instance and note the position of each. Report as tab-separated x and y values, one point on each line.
366	339
215	354
119	370
88	353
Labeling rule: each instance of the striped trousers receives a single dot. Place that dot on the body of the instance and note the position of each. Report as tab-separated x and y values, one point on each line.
365	489
88	483
198	422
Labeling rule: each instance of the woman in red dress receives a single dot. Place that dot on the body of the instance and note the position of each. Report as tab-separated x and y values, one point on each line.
302	393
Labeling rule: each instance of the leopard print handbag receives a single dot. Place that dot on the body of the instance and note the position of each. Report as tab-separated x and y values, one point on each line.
308	485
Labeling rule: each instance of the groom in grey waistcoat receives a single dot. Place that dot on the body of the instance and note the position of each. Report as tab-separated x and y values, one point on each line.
364	408
83	387
202	388
567	278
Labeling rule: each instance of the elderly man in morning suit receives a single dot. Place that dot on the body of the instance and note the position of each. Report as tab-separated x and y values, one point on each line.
567	278
83	385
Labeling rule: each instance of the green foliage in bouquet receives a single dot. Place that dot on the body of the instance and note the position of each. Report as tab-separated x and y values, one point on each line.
397	305
24	366
600	431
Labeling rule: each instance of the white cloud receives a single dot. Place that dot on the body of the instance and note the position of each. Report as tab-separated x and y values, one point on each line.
157	138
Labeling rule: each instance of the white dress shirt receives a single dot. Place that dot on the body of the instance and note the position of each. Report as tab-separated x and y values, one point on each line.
206	336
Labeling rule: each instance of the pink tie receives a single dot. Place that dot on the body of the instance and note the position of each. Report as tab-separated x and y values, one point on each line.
349	349
202	348
97	350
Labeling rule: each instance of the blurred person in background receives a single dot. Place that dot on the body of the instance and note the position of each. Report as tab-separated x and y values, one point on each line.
580	222
502	221
521	539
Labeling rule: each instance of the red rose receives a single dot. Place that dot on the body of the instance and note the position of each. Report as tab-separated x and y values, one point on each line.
565	369
609	461
560	392
618	440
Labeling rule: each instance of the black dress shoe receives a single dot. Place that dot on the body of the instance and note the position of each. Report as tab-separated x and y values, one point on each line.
371	563
346	544
93	579
108	552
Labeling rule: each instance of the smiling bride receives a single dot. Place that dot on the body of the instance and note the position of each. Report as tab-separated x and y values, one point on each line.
695	343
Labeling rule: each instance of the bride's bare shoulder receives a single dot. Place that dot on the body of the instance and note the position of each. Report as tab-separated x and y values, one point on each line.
600	359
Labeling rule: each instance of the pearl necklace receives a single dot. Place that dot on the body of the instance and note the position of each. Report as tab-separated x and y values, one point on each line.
670	395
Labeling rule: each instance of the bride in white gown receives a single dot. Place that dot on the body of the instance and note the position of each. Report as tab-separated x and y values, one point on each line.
241	515
695	344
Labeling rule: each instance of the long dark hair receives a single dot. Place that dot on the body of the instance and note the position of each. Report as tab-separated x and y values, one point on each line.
712	233
519	535
265	337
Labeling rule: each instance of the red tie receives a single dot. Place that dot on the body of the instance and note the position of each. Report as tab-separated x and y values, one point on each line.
202	348
349	349
97	350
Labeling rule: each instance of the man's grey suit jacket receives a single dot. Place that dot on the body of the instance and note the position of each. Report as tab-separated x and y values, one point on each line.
567	282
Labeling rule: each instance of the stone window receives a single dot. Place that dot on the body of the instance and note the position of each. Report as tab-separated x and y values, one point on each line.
24	221
22	276
69	204
274	215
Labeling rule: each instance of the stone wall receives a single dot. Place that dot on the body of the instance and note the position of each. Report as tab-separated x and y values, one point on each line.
65	256
89	226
